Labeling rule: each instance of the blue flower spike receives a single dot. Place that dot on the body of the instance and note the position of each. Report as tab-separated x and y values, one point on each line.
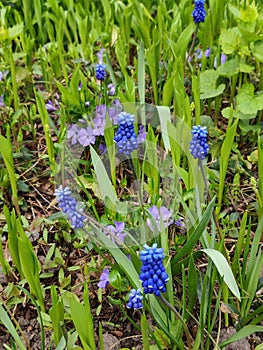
100	71
198	145
199	11
126	139
68	205
135	299
153	274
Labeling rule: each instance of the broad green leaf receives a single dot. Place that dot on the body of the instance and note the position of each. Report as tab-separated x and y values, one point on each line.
257	50
236	12
241	334
229	68
230	40
247	103
56	313
14	31
249	14
208	86
104	182
224	270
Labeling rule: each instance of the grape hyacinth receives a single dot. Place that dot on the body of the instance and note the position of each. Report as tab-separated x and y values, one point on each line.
199	11
125	137
198	145
100	71
135	299
68	205
153	275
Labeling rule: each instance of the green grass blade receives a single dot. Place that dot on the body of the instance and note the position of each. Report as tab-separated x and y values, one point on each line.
10	327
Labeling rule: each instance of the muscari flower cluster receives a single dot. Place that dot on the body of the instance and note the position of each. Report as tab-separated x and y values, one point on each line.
126	138
68	205
100	67
199	11
153	275
198	145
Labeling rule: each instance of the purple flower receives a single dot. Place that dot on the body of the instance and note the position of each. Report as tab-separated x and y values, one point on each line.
99	126
159	215
114	111
179	222
141	134
111	89
222	60
104	279
80	86
198	54
101	111
87	104
207	52
86	136
73	133
50	107
3	74
102	148
116	230
100	56
2	104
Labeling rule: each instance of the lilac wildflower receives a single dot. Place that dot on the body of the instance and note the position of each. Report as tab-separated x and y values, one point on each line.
199	11
141	134
80	86
50	107
153	275
102	148
135	299
2	104
86	136
111	89
100	56
116	230
87	104
73	133
3	74
207	52
160	215
104	279
198	145
114	111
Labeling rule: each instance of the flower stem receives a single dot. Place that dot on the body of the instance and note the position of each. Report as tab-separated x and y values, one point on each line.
173	309
192	45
